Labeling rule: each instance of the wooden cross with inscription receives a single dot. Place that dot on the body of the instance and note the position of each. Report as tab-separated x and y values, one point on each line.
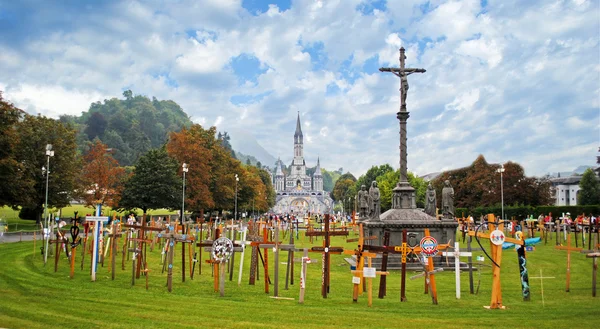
568	248
496	237
326	250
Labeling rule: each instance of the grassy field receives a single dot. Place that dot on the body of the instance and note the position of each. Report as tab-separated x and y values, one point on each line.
34	296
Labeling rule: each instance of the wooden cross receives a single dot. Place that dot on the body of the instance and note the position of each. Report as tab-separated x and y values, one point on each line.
254	242
429	274
369	273
457	254
359	253
141	241
496	256
594	256
97	220
276	248
115	234
568	248
58	241
305	262
326	251
170	244
541	277
188	239
266	244
289	271
75	241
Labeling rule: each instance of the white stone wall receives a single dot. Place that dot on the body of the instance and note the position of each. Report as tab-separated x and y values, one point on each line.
566	195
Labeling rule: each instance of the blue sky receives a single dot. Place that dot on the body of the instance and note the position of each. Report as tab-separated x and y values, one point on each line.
512	80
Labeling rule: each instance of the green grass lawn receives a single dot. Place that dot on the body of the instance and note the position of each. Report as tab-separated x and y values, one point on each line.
33	296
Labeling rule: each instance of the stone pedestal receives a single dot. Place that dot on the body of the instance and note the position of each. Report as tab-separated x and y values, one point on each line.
405	215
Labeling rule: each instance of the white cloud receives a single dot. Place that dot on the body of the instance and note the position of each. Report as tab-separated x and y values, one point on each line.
500	81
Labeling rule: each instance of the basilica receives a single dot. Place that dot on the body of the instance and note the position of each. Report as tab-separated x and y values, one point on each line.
299	193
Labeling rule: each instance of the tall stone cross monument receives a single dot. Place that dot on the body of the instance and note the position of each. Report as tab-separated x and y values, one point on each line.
404	194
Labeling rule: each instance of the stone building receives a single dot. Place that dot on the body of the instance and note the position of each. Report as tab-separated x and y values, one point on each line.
299	193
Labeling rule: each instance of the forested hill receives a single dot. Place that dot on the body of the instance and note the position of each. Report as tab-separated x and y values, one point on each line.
129	126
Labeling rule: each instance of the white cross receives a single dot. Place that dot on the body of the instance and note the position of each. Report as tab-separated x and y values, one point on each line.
457	254
541	277
97	239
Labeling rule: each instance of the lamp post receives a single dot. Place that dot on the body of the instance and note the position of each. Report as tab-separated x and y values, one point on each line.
185	168
501	170
236	187
49	153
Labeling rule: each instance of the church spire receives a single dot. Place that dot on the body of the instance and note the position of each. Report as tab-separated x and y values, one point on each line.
298	135
318	170
279	172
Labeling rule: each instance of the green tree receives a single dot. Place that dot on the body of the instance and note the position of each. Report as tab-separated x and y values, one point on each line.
371	175
14	182
589	193
154	183
35	132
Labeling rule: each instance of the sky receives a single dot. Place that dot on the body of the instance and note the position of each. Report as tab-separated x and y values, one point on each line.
511	80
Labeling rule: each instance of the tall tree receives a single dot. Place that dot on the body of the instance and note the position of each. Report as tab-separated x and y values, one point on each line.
14	182
589	193
102	177
35	132
193	146
154	183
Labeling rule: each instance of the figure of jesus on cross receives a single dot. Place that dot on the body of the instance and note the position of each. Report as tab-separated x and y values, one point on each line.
402	72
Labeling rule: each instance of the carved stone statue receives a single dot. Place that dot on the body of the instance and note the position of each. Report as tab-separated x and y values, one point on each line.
448	200
430	201
375	197
363	201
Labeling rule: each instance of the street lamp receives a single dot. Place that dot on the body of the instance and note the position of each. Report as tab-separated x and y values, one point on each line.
501	170
49	153
185	167
236	187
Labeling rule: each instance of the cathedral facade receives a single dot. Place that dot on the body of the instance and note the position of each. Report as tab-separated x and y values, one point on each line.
299	193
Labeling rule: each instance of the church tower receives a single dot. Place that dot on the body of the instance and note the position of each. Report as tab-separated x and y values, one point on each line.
279	178
318	177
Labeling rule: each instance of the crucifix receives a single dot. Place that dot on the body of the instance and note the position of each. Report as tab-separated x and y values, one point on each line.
568	248
266	244
326	251
457	254
403	186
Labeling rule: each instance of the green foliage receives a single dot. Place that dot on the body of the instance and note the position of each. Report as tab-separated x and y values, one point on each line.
371	175
386	184
154	184
34	133
131	127
34	296
11	170
479	185
589	193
